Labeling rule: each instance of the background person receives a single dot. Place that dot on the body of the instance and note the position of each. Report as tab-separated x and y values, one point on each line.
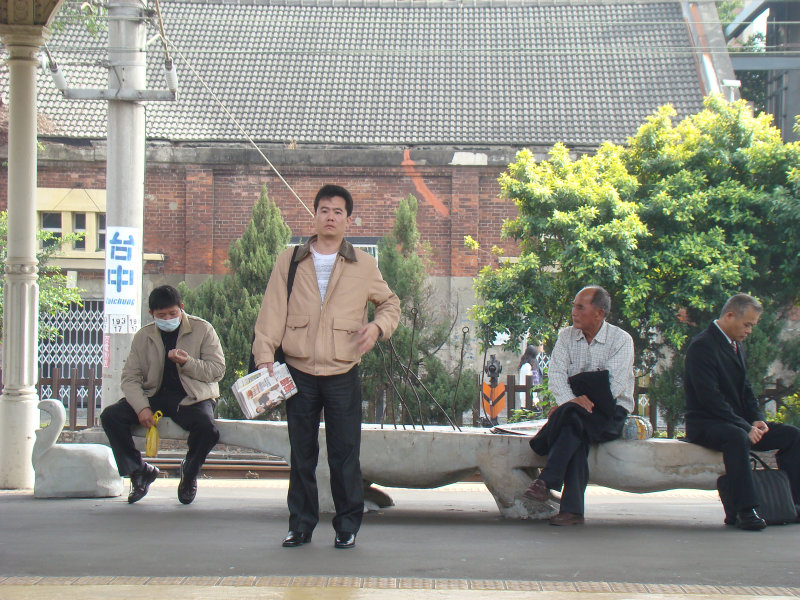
528	365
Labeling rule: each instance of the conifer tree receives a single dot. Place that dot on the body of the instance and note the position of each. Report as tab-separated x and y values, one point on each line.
404	263
231	304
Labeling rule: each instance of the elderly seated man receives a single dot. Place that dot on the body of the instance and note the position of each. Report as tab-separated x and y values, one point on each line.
591	378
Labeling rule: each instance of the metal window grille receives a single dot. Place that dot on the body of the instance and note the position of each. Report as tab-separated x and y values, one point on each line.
79	345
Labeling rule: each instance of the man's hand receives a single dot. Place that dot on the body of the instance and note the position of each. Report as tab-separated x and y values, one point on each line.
757	432
267	366
146	418
178	356
584	402
367	336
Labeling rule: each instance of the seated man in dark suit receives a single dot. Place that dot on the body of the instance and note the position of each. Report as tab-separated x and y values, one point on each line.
723	414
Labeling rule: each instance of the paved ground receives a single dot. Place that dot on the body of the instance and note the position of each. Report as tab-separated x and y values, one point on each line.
445	543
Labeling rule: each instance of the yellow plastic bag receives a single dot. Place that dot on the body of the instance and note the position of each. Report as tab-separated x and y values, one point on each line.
152	440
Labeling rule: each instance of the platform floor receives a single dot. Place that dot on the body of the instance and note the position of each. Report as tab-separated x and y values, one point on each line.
443	543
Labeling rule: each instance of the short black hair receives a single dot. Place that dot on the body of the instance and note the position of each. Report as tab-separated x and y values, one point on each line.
332	191
164	296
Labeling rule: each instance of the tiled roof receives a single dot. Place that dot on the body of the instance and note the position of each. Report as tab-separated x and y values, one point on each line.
371	72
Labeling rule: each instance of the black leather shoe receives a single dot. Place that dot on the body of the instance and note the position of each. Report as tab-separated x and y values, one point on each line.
187	488
140	482
296	538
345	539
749	520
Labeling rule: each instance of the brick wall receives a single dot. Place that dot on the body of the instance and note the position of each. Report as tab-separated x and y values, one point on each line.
194	211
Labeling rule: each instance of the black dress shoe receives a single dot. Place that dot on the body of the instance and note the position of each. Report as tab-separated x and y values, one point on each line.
749	520
187	488
296	538
140	482
345	539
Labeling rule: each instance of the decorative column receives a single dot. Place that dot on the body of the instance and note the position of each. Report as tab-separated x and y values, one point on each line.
19	413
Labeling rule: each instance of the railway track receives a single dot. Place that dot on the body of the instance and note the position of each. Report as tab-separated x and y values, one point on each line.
226	468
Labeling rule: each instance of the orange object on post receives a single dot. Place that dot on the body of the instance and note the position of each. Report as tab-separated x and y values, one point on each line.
493	399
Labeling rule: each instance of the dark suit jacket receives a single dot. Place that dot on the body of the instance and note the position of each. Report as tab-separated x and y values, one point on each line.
716	384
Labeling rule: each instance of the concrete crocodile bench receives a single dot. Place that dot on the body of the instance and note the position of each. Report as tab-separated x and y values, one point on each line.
438	456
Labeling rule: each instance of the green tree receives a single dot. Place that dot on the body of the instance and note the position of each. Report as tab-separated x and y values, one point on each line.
54	295
727	10
577	224
404	264
671	224
92	15
231	303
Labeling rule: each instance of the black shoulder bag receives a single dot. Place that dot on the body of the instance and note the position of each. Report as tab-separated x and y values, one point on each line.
278	356
775	504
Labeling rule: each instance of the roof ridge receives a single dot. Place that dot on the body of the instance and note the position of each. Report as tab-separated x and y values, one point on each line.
424	3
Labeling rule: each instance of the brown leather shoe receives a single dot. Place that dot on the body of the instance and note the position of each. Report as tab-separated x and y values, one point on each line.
538	491
564	519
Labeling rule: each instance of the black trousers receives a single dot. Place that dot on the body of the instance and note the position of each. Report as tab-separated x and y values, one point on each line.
340	397
735	446
197	419
567	465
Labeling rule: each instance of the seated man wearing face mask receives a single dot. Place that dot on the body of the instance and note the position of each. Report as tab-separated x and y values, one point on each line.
174	365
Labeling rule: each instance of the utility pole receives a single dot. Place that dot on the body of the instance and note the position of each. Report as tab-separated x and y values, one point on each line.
125	161
124	188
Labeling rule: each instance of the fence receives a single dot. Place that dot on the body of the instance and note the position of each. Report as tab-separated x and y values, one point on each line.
53	387
78	345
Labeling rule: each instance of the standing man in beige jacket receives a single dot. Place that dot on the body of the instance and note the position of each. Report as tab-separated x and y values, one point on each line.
174	366
323	329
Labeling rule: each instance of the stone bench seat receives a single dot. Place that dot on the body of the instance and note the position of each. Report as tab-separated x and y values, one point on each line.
437	456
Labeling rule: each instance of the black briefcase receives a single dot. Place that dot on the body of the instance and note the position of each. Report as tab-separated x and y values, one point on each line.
775	504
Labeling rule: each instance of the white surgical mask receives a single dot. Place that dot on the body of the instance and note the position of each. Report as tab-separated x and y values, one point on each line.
168	324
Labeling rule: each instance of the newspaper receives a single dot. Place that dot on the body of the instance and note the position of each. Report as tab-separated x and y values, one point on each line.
259	392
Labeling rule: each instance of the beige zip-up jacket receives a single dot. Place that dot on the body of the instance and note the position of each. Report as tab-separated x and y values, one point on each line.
320	338
144	368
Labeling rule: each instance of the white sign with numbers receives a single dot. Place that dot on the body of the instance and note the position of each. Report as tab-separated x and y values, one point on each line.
123	280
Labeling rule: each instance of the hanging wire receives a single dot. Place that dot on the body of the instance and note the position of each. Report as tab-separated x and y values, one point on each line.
162	35
236	122
396	391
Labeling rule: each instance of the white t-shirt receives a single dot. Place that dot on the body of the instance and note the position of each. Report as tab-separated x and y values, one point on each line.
323	265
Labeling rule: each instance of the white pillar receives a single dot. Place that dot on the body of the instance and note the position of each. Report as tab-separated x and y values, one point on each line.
126	154
19	414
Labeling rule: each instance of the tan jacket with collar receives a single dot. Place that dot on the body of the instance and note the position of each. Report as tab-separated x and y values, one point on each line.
320	338
144	369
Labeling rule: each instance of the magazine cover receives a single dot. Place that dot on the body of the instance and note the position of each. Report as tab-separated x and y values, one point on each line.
259	392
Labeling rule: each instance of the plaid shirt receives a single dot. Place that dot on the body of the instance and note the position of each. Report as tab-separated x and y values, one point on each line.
611	348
